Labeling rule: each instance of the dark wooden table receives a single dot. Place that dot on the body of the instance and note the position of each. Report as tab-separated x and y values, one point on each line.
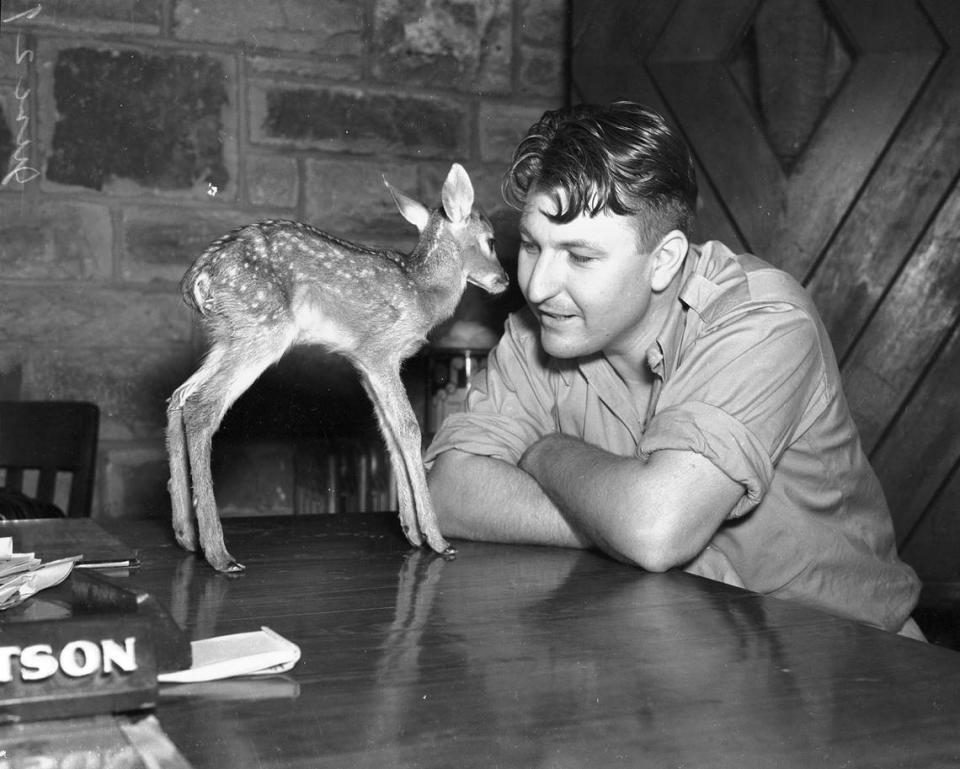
529	657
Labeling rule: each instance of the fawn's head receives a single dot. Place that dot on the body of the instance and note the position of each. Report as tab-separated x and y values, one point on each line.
458	229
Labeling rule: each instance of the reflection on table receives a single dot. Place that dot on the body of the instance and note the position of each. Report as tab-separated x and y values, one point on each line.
529	657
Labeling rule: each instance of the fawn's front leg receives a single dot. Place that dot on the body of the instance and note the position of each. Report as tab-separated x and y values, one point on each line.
398	423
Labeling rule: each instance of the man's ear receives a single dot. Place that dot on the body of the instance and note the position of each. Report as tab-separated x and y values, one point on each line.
667	259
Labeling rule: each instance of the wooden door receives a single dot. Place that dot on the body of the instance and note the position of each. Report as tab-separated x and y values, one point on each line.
827	138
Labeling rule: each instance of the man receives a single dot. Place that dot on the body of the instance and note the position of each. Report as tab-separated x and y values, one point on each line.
672	405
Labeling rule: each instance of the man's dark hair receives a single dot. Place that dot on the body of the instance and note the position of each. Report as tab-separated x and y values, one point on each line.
621	157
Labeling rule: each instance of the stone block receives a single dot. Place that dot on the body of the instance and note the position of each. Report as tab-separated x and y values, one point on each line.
139	17
545	22
84	315
326	30
131	384
272	180
354	120
125	120
54	240
133	482
161	243
348	198
464	45
500	127
345	67
543	73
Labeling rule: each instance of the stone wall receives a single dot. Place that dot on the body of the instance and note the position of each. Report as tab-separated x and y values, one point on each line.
133	132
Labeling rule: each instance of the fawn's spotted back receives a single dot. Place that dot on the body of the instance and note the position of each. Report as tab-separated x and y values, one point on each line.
252	275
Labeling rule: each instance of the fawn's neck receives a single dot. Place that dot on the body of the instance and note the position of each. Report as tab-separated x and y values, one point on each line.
435	264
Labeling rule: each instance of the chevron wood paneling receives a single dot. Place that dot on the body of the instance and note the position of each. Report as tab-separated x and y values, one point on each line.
866	212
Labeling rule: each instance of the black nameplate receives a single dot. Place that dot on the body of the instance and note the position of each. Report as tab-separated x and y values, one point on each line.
60	669
85	647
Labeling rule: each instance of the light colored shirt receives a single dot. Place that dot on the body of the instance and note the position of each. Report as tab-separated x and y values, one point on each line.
745	376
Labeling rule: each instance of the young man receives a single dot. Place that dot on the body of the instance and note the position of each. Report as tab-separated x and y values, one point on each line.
675	406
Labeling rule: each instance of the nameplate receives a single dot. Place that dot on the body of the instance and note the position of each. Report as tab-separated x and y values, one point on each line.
60	669
85	647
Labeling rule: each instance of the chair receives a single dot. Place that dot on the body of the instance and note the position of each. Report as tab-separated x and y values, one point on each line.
50	437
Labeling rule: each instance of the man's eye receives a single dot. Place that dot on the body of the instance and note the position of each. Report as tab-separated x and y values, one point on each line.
580	258
527	247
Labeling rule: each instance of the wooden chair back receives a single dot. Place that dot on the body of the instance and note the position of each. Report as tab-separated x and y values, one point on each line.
51	437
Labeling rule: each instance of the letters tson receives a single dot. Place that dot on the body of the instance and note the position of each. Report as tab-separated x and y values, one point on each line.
59	669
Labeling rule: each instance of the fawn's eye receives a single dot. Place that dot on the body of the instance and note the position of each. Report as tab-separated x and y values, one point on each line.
491	244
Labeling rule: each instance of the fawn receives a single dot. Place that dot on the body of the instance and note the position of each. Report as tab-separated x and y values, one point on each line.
266	287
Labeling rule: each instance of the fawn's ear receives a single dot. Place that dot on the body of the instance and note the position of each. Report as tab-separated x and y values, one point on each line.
411	210
457	195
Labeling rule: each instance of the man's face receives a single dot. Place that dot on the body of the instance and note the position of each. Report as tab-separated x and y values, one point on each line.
587	281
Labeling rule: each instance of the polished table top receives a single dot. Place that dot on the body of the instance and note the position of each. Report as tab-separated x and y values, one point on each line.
514	656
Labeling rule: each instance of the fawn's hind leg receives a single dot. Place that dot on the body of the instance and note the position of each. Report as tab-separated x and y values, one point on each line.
184	527
179	483
227	373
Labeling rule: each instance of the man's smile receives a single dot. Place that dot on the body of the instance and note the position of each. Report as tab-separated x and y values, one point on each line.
553	318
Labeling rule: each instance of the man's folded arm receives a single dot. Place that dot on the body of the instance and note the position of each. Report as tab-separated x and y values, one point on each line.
486	499
657	513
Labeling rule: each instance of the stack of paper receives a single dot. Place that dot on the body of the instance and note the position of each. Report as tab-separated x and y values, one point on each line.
257	653
23	574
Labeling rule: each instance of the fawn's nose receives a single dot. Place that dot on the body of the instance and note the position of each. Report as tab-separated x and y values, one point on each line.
500	283
492	282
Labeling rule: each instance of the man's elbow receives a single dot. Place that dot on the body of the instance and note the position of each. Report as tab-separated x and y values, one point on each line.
655	548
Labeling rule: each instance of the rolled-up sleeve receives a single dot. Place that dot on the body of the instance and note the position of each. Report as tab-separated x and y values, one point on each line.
509	405
740	396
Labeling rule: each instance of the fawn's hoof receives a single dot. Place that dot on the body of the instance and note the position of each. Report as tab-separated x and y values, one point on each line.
226	565
186	539
449	553
229	566
412	533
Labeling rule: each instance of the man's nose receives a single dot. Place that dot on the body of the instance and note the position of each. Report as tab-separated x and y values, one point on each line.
544	278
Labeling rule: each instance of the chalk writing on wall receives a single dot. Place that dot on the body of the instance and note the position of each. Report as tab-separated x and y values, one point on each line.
20	169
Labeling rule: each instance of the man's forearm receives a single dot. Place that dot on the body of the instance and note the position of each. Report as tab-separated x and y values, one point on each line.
486	499
656	514
593	489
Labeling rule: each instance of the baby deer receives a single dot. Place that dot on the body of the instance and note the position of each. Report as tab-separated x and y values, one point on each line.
266	287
